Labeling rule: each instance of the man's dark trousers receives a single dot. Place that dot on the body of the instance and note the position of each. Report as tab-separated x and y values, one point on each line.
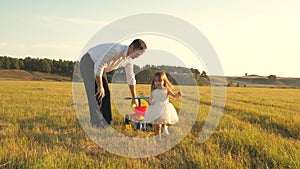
87	74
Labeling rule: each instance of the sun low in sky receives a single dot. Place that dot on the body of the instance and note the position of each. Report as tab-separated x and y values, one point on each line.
254	37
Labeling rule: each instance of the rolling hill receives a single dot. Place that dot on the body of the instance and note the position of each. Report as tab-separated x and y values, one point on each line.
27	75
263	81
249	81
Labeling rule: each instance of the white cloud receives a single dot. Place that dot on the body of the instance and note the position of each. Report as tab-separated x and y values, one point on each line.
84	22
12	46
67	50
3	45
53	20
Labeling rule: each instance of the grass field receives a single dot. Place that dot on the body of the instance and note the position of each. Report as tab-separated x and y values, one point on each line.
260	128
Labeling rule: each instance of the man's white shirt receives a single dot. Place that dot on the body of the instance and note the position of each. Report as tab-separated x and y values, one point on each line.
110	56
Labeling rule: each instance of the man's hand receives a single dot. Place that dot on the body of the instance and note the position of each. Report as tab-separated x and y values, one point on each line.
133	94
100	90
133	101
100	93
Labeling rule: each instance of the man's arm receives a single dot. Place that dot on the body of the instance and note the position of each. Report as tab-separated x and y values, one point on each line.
132	90
98	80
133	93
100	87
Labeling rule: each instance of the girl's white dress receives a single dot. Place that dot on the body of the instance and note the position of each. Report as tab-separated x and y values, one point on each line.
161	111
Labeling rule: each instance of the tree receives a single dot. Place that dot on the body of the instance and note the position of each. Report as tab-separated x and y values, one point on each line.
230	84
6	63
145	76
71	68
203	74
55	67
272	77
28	63
45	66
146	66
195	71
14	63
2	62
21	64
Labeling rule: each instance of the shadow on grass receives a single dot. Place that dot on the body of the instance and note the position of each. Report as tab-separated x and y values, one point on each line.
265	122
251	154
71	137
169	161
197	128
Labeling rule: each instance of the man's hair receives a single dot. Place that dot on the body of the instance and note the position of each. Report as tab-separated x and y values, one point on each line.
138	44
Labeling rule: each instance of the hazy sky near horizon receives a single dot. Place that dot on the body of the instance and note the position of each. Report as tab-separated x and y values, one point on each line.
254	37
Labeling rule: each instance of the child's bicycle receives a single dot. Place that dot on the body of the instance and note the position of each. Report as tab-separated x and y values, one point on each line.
136	119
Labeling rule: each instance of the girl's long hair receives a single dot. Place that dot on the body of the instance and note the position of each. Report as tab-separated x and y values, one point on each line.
163	77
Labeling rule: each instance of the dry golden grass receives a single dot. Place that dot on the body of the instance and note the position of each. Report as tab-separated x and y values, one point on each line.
39	129
27	75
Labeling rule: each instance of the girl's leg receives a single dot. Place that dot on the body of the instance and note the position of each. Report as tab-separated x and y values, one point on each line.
158	129
165	129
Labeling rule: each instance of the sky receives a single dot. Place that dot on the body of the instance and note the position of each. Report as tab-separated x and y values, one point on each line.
254	37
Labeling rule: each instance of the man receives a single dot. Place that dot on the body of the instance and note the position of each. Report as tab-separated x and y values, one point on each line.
93	67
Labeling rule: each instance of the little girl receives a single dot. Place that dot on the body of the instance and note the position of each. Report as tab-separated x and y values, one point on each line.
161	112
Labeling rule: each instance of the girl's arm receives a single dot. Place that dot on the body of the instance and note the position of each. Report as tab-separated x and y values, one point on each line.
174	95
150	101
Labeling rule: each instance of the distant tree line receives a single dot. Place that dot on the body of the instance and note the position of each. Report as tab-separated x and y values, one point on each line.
176	74
61	67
